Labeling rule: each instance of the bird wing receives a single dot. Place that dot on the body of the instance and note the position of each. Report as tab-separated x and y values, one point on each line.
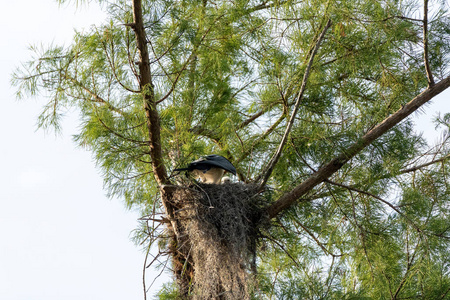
210	161
181	169
219	162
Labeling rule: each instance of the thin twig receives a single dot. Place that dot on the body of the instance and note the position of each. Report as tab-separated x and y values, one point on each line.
378	198
261	138
425	44
325	250
157	276
268	170
143	270
413	169
284	250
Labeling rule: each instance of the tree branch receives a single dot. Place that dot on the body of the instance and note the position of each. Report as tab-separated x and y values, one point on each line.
261	138
425	44
326	171
146	88
268	170
151	113
264	5
112	64
393	207
415	168
94	95
284	250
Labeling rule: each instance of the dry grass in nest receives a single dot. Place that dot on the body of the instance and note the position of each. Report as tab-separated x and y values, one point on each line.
221	225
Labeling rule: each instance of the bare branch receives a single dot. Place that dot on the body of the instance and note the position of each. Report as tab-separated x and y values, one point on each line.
268	170
413	169
425	44
144	269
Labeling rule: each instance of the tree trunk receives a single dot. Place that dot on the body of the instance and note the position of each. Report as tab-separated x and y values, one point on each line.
183	269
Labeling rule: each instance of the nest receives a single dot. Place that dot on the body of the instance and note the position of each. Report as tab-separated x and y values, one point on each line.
218	231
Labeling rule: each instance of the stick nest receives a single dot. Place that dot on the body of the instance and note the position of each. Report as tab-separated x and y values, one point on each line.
218	232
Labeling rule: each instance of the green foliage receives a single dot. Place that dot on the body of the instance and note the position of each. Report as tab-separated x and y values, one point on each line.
168	292
226	75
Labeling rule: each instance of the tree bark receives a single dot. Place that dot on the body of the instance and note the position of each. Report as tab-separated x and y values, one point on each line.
151	113
157	161
335	164
146	87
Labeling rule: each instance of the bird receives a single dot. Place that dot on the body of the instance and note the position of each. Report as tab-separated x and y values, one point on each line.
226	180
210	168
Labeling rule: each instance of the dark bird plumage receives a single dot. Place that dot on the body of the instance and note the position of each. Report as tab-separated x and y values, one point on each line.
210	168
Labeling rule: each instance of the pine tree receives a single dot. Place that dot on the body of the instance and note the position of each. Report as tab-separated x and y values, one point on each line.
339	197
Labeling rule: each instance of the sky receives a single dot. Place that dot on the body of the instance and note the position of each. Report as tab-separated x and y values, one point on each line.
60	236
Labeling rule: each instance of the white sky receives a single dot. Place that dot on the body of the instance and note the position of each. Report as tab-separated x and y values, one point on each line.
60	237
